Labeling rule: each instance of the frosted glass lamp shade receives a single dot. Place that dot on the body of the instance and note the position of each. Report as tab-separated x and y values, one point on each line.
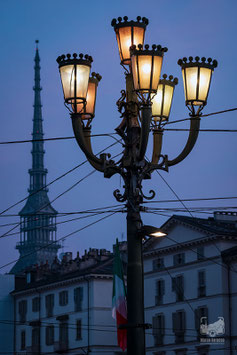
197	79
75	74
161	102
87	110
129	33
146	67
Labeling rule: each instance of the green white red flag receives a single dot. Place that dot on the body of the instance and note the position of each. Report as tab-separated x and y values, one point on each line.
119	302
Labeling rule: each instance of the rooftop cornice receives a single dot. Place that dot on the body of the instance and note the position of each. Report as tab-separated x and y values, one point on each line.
32	288
187	245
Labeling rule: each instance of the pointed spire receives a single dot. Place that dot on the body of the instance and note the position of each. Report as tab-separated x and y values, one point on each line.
38	217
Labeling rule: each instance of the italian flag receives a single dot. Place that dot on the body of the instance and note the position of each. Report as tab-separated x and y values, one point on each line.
119	302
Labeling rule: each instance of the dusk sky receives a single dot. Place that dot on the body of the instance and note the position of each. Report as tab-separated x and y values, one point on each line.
188	28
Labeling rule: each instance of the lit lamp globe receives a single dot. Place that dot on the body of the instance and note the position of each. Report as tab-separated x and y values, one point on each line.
162	101
197	78
87	110
146	67
74	71
129	33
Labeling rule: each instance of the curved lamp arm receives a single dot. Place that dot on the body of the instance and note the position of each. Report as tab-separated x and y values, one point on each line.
157	145
192	138
83	139
145	130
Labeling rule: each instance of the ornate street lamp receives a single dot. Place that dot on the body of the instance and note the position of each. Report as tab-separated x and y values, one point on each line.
144	89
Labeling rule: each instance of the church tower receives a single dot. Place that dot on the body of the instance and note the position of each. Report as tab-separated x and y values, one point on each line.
37	218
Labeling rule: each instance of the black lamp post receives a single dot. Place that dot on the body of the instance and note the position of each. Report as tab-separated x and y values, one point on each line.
143	88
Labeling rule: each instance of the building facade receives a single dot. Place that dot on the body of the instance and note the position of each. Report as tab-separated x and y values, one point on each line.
191	276
66	307
190	295
7	284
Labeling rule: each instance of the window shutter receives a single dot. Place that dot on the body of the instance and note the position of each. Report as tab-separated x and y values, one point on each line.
197	319
183	321
175	322
52	300
162	331
206	313
201	278
155	326
174	284
162	287
81	293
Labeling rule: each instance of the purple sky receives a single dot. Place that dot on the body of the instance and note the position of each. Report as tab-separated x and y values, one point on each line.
204	28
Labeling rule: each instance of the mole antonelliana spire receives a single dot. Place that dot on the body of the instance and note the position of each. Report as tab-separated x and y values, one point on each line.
38	218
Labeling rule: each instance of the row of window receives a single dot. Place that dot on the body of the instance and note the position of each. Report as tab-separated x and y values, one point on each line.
178	259
178	287
50	334
178	325
49	303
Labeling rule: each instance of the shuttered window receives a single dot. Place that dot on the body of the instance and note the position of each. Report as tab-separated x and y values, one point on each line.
22	310
23	340
178	287
78	330
201	284
179	259
63	298
49	304
158	328
201	318
78	298
160	291
179	325
36	304
49	335
158	264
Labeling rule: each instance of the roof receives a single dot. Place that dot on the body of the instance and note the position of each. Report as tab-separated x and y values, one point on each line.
101	268
210	225
38	203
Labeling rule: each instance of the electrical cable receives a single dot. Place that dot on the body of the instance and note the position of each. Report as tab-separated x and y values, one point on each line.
60	195
171	189
56	241
61	222
53	181
194	199
56	138
203	115
114	133
201	130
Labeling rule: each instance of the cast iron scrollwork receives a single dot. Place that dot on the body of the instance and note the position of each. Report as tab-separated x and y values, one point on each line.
119	197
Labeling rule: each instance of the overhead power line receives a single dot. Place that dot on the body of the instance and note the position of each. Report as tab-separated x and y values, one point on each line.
194	199
55	138
61	222
60	195
56	241
53	181
201	130
204	115
114	133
